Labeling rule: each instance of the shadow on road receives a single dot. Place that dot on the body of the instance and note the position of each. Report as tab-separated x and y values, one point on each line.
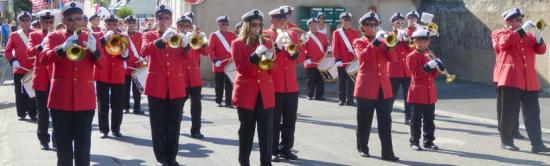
97	160
479	156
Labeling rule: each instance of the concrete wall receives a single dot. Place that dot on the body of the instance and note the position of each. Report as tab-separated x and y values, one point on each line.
208	11
465	29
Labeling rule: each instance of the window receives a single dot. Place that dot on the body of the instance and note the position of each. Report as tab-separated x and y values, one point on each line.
331	15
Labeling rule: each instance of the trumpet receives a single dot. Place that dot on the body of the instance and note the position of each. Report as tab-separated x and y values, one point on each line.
76	52
449	78
116	44
197	39
391	39
540	25
175	41
267	59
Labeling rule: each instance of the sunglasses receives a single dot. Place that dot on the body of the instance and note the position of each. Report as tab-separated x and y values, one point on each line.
164	18
76	18
254	25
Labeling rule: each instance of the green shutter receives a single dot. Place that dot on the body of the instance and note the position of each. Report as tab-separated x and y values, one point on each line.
331	13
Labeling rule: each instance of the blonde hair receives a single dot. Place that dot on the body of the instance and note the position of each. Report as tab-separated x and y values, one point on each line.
244	34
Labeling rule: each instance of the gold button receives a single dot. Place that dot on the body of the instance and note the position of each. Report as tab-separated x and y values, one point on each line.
523	57
258	71
74	79
167	63
168	73
525	65
258	81
378	65
403	59
379	74
112	64
75	69
189	67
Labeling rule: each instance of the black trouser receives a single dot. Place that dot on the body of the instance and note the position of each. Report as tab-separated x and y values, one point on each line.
23	103
103	101
499	111
315	83
43	118
404	83
223	82
165	118
345	86
249	119
135	94
422	113
511	100
286	107
365	113
195	95
73	127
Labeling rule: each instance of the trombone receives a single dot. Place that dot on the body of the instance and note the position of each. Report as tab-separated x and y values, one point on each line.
449	78
77	52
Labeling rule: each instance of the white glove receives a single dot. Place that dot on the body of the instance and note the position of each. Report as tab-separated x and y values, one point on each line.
401	36
15	64
108	34
538	36
433	64
438	60
260	50
42	44
166	36
125	65
528	25
125	53
380	35
92	43
218	63
184	40
307	62
329	49
339	64
279	41
69	42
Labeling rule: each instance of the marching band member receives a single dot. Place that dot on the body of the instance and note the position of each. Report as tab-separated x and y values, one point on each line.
412	19
110	81
254	92
286	86
343	51
422	93
165	86
35	25
238	27
41	76
193	80
16	55
219	50
324	28
288	11
372	88
495	37
400	76
134	62
314	48
71	97
94	21
518	81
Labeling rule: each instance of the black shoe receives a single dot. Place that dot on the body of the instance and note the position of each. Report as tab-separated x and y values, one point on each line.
364	153
45	147
431	146
288	155
104	135
320	98
33	118
309	98
54	145
117	134
276	158
538	149
341	103
174	163
219	104
138	112
518	136
351	104
126	111
390	158
510	147
163	164
416	147
407	122
22	118
229	106
197	135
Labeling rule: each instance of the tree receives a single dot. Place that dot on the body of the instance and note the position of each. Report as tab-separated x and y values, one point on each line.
123	12
103	2
22	5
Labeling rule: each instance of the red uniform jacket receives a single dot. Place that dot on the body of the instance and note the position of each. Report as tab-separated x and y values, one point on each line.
284	69
422	89
15	43
96	29
72	85
410	31
251	81
313	52
398	67
42	74
518	61
166	77
495	36
111	69
132	61
218	52
339	48
373	73
192	67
